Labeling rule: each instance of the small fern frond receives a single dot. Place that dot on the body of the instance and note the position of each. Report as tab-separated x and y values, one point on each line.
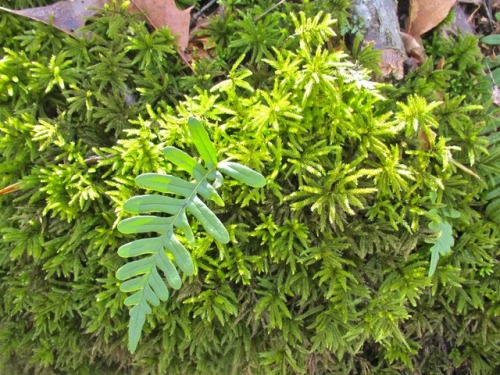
142	276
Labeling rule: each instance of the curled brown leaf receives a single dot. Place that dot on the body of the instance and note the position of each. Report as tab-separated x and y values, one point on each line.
427	14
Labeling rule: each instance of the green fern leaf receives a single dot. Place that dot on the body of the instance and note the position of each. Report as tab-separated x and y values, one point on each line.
442	243
141	276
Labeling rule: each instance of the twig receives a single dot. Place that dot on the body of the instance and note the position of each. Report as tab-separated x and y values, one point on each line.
471	17
489	13
95	158
465	169
199	13
269	10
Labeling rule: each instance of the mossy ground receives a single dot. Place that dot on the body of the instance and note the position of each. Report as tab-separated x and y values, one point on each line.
327	270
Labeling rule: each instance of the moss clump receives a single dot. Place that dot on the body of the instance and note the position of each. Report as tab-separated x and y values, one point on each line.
327	270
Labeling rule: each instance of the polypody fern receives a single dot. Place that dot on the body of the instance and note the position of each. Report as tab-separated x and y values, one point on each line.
142	275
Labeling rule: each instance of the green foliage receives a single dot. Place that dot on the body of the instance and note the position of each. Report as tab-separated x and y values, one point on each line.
491	39
492	164
442	230
326	269
142	275
493	63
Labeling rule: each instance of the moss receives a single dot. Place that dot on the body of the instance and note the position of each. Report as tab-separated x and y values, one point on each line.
327	270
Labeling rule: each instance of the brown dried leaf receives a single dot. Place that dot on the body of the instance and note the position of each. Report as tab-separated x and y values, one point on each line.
197	52
11	188
427	14
67	16
70	15
440	64
427	138
162	13
200	45
414	48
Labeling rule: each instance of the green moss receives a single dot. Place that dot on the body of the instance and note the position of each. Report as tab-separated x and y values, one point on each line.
327	266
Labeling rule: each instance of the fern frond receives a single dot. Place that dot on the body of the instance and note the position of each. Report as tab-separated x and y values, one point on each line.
142	276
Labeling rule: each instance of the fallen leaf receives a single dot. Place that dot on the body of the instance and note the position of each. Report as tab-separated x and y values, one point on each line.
413	47
200	45
67	16
10	188
70	15
427	138
440	64
196	52
204	45
427	14
162	13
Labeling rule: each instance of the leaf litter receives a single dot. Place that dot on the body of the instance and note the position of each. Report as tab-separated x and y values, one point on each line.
71	15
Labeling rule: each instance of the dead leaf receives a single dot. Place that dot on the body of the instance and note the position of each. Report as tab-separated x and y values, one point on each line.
205	44
70	15
414	47
200	45
197	52
162	13
427	138
67	16
427	14
10	188
440	64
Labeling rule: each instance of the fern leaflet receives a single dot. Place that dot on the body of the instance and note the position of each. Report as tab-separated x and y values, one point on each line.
443	239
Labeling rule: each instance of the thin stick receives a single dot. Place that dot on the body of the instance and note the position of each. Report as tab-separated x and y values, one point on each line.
489	12
269	10
199	13
95	158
